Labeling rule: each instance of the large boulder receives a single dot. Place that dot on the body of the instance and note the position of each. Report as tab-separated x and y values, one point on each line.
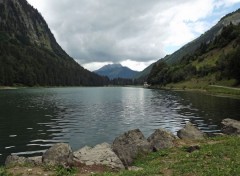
161	139
58	154
129	145
14	160
36	160
231	127
101	154
190	132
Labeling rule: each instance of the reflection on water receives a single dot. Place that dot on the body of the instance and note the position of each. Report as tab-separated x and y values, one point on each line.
31	120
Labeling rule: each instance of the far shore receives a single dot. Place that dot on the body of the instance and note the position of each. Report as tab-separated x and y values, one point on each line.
7	88
215	90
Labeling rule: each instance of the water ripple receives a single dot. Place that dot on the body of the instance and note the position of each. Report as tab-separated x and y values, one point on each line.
88	116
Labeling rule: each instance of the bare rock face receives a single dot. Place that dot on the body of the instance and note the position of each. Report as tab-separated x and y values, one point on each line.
231	127
161	139
58	154
190	132
101	154
129	145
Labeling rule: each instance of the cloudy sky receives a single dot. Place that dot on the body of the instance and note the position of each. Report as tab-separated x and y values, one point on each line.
134	33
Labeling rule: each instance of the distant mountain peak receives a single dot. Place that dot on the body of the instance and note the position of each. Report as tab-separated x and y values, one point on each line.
108	66
113	71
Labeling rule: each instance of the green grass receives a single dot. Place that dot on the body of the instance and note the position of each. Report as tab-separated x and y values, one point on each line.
223	90
3	172
194	83
209	85
60	171
220	158
210	58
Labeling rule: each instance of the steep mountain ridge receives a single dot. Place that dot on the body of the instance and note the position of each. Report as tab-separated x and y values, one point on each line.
207	37
30	55
190	47
215	62
113	71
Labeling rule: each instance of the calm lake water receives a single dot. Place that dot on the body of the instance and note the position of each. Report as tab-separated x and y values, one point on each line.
31	120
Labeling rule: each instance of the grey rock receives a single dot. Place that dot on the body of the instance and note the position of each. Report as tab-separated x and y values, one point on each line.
231	127
58	154
161	139
14	160
37	160
101	154
129	145
190	132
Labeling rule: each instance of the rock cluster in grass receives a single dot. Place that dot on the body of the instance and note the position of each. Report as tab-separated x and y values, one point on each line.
124	150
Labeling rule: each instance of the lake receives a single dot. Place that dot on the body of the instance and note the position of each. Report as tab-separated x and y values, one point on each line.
33	119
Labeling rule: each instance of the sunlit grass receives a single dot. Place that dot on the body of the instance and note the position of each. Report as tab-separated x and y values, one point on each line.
218	157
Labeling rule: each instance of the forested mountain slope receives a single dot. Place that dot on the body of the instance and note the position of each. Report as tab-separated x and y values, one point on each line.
30	55
212	58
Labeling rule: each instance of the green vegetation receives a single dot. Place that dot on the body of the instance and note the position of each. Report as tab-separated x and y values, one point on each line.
3	172
217	156
223	90
60	171
31	66
213	63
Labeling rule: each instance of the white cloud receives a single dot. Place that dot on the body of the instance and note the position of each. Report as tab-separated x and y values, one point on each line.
137	66
95	65
132	32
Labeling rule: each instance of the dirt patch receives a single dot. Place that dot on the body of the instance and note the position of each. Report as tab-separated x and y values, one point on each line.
84	170
167	172
30	171
181	143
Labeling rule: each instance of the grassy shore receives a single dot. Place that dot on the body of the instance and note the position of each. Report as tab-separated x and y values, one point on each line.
218	156
207	85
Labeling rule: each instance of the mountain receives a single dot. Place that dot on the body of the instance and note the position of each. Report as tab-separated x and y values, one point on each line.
30	55
113	71
142	75
213	58
207	37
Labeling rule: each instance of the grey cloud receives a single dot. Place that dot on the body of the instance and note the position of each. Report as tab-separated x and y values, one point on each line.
111	30
106	30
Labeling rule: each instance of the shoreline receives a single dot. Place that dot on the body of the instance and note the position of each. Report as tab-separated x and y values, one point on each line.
7	88
154	155
213	90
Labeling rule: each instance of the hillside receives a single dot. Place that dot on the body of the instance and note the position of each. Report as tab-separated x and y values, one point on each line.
113	71
29	53
190	47
144	74
207	37
211	59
